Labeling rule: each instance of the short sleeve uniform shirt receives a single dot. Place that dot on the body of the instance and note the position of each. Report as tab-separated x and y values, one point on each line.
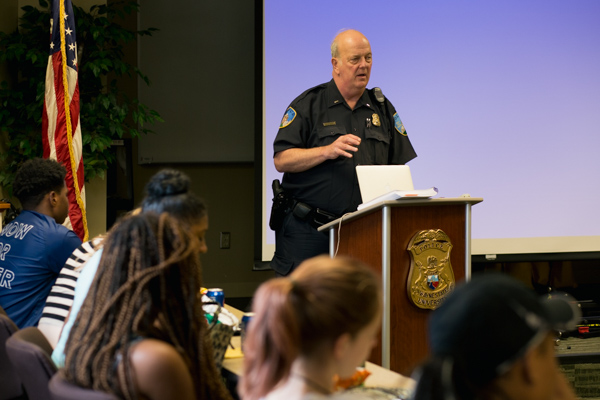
317	118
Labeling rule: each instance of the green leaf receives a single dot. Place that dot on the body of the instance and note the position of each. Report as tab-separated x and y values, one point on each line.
105	111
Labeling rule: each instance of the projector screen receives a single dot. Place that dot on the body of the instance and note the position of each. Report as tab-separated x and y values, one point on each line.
501	100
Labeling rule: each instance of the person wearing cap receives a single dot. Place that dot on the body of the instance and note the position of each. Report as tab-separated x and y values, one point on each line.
493	338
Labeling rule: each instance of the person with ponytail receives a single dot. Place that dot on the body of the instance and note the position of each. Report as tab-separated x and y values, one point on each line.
321	321
493	338
141	333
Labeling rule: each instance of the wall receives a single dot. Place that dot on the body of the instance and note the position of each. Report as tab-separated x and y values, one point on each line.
227	187
95	197
228	190
201	65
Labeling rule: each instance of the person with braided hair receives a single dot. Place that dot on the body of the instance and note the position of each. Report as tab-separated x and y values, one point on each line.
167	191
321	321
141	332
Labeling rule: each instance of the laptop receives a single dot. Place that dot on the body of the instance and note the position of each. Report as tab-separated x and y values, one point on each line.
377	180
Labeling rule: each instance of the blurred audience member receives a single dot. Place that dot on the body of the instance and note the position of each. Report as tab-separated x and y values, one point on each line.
61	295
141	332
35	246
493	338
167	191
321	321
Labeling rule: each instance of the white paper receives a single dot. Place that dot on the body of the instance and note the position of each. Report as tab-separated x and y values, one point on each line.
401	195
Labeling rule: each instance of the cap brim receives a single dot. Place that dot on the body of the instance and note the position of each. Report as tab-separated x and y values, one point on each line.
563	312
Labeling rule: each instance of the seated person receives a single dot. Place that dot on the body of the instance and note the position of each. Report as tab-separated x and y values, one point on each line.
34	247
493	338
141	332
60	299
167	191
321	321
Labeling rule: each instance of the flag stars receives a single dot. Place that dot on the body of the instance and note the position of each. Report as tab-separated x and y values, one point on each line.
68	31
51	45
72	47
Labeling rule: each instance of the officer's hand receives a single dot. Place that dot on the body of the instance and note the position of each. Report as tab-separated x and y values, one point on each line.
345	145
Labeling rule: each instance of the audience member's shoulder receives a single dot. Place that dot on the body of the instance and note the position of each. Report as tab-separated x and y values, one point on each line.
86	249
160	371
40	220
62	237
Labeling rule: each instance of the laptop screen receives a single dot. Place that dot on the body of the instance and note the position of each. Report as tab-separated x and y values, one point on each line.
377	180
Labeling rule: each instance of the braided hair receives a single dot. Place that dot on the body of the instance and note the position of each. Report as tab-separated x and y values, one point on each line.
169	191
146	286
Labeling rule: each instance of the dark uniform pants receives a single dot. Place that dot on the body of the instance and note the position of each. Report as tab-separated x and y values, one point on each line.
296	241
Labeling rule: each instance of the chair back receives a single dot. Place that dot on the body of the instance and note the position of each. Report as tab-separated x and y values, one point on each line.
29	352
10	382
61	389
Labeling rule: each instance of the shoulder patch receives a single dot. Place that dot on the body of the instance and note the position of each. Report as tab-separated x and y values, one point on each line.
399	125
288	117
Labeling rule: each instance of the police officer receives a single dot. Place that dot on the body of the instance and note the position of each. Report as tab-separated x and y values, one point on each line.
324	134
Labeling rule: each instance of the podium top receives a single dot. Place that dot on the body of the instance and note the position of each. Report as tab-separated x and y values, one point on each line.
404	202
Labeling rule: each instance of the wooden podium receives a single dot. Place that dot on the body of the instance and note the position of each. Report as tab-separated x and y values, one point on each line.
379	236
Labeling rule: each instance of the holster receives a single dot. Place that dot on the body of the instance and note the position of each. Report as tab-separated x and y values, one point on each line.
316	217
282	205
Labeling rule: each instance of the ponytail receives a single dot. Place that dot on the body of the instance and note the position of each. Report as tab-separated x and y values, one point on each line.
303	315
273	339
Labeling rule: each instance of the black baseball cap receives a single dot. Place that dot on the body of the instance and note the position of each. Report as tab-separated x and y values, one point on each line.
487	324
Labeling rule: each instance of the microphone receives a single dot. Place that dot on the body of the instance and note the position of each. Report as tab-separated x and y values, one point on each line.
378	95
381	99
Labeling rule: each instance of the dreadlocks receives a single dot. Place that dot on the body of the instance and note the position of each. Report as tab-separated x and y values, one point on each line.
146	286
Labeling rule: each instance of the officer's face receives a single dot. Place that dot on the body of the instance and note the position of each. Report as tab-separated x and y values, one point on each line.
353	65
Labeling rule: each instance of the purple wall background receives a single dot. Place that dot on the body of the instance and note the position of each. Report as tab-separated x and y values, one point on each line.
500	99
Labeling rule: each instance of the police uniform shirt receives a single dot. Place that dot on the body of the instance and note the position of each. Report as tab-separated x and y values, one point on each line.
317	118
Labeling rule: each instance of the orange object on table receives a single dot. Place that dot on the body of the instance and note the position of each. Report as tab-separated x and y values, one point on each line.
357	379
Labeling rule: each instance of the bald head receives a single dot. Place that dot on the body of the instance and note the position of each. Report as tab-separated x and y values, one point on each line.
351	60
346	37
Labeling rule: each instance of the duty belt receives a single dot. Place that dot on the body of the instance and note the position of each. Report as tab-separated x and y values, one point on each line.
316	217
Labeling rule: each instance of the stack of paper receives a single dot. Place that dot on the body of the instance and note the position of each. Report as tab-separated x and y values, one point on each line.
401	195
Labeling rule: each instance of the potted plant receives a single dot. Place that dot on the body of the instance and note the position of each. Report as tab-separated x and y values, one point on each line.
106	113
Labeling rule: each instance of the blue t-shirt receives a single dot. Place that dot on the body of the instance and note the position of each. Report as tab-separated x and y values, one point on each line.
33	249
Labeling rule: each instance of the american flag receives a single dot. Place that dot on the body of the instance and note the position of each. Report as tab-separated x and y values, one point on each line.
61	131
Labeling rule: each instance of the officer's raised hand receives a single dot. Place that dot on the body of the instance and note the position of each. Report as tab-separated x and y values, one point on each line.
343	146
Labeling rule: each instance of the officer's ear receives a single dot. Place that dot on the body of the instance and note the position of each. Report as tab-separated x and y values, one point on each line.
334	64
